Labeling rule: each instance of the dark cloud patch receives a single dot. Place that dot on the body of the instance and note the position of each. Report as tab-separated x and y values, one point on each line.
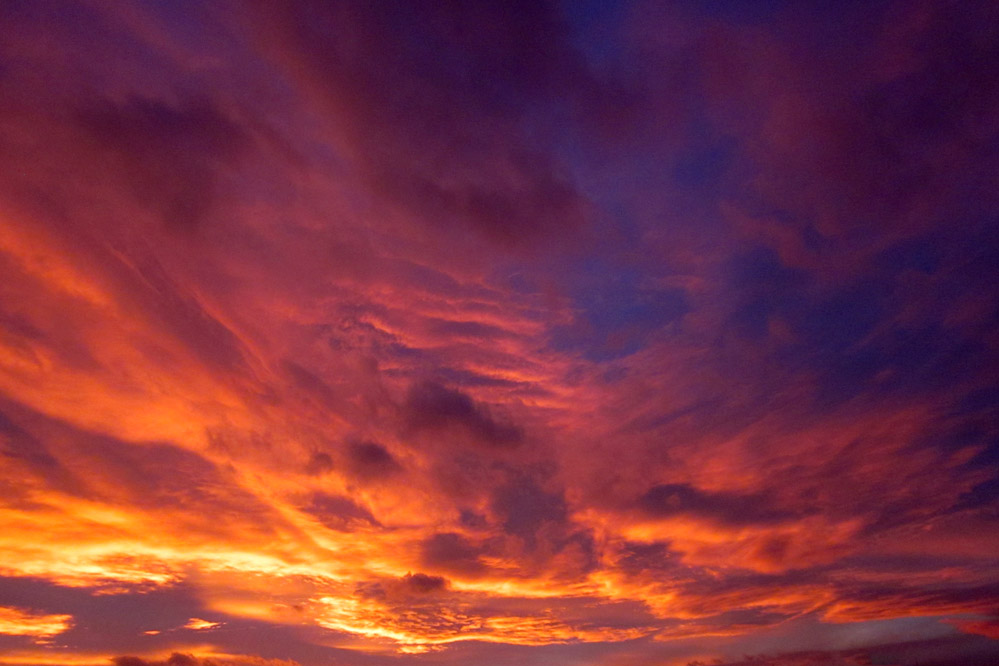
15	325
371	460
942	651
641	558
509	217
338	512
352	334
739	620
523	508
319	463
167	154
904	360
859	602
673	499
309	382
452	552
472	520
424	584
432	407
468	378
411	588
181	659
401	78
175	659
17	443
896	136
538	518
924	254
474	330
953	85
900	331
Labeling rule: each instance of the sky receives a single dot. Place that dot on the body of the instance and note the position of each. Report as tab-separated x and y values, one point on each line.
593	333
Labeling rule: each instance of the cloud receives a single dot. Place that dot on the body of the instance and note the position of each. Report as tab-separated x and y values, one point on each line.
520	333
182	659
452	552
371	460
23	622
432	407
988	627
727	508
166	155
338	512
947	651
198	624
392	103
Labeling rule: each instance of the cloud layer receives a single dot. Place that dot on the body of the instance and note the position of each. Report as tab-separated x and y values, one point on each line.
498	333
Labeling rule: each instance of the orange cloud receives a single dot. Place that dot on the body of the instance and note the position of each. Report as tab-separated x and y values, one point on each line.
21	622
198	624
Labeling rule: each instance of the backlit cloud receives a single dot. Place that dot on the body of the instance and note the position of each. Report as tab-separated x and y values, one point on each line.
20	622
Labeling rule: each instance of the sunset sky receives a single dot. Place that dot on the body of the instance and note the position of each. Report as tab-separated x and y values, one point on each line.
504	333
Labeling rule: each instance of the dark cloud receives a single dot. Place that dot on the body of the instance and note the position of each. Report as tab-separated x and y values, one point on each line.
641	558
945	651
19	444
413	588
319	463
523	508
182	659
471	380
371	460
409	75
310	382
872	601
423	584
452	552
432	407
474	330
888	140
167	154
338	512
672	499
